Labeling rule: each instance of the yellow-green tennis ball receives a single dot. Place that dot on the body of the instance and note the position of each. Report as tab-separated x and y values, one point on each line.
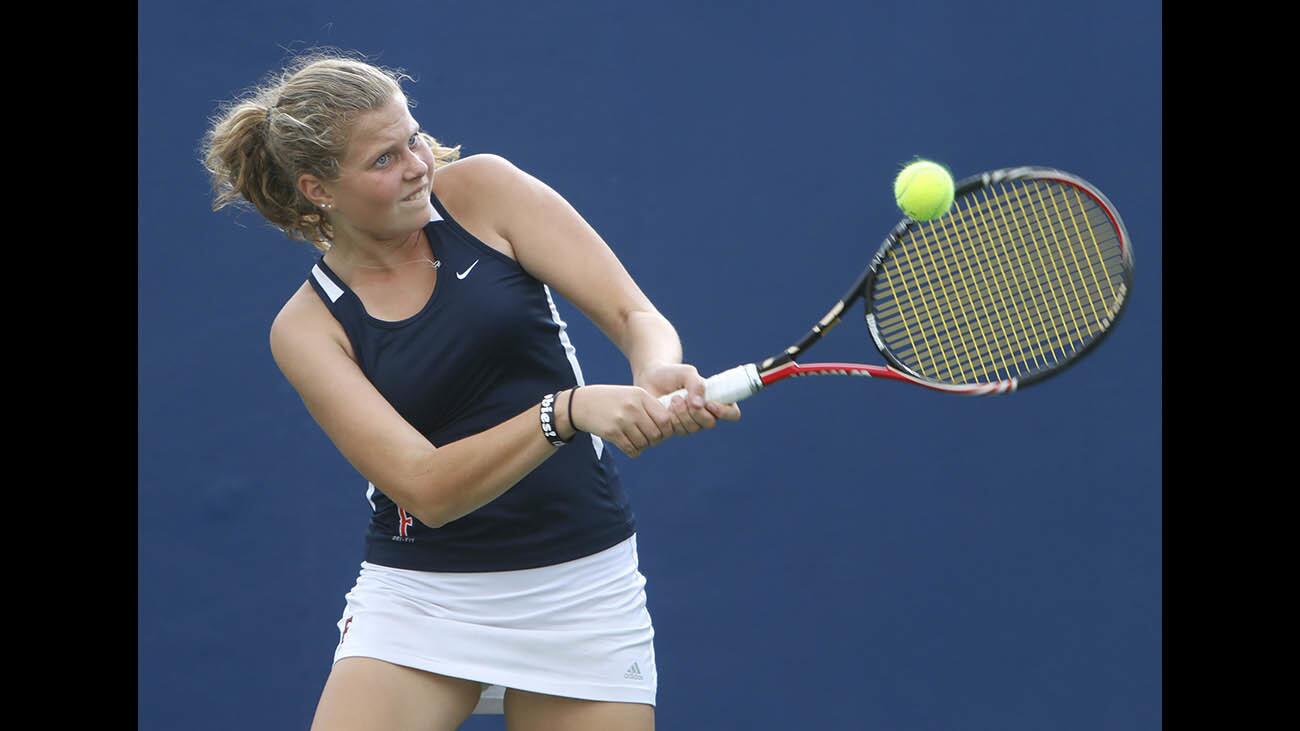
924	190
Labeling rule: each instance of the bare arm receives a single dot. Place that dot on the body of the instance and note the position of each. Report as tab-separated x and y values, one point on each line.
555	244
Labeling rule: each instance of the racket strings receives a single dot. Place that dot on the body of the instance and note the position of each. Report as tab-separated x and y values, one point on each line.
1013	281
1046	305
991	330
1001	334
999	297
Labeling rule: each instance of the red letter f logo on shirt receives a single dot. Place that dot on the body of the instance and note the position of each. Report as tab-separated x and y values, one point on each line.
404	521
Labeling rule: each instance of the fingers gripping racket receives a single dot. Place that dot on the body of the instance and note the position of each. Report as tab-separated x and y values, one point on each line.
1027	272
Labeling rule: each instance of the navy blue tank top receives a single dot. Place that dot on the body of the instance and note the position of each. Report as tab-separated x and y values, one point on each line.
488	344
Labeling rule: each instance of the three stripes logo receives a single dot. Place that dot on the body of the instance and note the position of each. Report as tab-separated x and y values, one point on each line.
633	673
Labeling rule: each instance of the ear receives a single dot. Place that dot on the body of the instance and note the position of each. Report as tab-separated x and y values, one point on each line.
314	190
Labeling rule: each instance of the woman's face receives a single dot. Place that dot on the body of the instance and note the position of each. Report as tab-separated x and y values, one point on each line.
386	175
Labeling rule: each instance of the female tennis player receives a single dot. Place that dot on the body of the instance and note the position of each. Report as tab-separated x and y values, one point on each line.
500	573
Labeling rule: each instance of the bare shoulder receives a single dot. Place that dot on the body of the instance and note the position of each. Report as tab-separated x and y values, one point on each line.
482	170
477	191
304	314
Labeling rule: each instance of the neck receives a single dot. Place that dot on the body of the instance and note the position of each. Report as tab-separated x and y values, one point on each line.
377	257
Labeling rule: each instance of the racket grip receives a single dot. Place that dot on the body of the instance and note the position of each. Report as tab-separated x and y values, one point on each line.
726	387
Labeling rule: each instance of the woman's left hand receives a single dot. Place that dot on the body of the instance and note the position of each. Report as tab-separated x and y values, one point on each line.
692	413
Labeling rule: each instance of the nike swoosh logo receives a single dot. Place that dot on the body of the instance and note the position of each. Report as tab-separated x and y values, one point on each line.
462	275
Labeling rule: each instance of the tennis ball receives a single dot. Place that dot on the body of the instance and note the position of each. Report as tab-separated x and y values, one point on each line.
924	190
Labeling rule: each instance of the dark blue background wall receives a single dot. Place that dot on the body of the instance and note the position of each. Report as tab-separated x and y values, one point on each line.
852	554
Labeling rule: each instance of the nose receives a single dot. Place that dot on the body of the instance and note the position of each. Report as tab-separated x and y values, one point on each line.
418	167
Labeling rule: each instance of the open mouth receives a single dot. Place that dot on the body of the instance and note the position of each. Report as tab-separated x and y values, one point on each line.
417	194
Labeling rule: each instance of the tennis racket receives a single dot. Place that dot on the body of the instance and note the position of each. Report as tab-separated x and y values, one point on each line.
1026	273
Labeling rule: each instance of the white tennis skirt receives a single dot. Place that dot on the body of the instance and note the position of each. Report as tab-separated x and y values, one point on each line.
578	629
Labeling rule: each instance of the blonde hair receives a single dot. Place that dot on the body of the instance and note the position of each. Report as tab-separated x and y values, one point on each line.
297	122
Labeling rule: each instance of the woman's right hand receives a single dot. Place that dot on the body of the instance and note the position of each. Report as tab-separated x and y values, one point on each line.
627	416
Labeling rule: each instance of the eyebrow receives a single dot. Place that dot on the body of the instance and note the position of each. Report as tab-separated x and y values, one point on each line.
377	151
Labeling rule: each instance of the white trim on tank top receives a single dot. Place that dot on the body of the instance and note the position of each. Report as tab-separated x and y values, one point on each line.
596	442
326	284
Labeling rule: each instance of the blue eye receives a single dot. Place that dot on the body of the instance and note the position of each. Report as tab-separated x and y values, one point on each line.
415	140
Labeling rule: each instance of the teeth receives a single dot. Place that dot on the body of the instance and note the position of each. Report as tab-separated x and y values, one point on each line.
414	195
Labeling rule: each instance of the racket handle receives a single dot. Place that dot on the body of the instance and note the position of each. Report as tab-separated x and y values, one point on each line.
726	387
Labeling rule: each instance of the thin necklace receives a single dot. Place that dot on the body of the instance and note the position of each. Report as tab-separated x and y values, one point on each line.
435	263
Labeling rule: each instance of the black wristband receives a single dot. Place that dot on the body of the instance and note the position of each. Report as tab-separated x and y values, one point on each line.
547	416
575	426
